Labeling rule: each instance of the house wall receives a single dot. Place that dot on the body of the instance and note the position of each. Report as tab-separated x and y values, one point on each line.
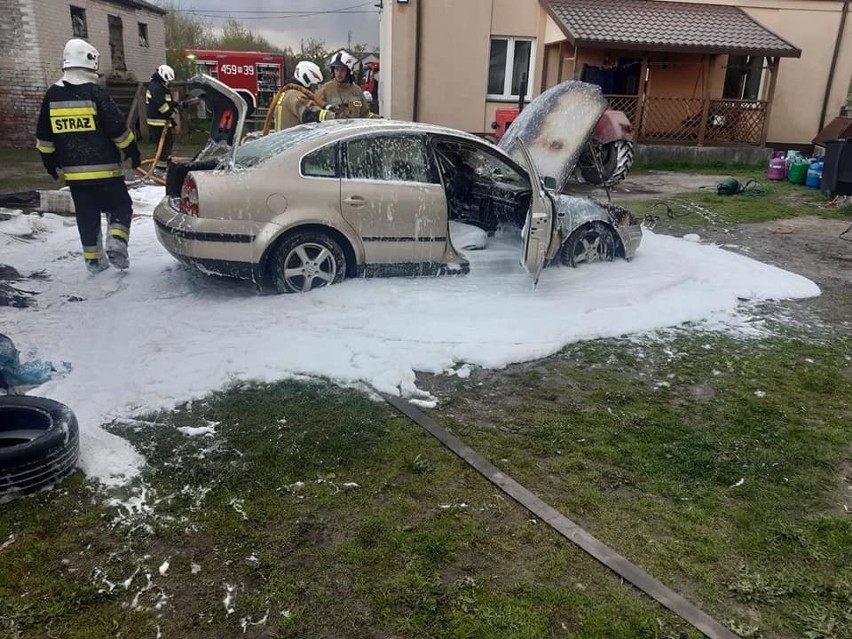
37	30
453	80
454	60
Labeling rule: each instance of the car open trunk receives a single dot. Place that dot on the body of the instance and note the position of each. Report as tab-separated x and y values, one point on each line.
228	115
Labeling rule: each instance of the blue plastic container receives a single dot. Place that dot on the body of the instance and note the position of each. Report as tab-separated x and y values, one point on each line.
814	177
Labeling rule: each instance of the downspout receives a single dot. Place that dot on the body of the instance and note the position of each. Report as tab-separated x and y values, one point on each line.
831	69
417	32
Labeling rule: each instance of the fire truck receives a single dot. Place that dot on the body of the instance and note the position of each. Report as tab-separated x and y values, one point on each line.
255	75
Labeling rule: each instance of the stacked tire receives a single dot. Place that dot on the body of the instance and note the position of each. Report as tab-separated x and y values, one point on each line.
39	444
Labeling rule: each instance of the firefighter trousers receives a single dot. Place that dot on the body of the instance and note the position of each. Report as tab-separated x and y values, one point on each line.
93	198
154	133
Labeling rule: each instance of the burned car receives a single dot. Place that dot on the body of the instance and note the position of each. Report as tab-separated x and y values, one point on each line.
311	205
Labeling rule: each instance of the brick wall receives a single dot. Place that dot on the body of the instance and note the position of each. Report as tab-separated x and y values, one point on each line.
37	30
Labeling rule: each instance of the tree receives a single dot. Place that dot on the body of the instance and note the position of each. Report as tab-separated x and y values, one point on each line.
235	37
312	50
184	30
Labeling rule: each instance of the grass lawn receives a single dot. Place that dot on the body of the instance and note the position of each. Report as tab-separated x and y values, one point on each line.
721	465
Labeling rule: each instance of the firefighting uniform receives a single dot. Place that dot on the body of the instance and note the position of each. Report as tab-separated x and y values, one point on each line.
346	99
299	105
80	130
159	109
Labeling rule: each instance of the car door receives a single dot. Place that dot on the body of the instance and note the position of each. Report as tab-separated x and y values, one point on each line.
390	194
538	229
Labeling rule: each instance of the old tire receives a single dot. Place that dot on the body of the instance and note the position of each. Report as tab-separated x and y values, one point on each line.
305	261
39	444
616	160
590	243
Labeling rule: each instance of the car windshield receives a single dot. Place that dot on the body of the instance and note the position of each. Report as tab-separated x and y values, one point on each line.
259	150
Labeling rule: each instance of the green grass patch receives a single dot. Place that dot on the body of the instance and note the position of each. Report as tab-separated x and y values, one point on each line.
770	201
307	511
715	463
719	465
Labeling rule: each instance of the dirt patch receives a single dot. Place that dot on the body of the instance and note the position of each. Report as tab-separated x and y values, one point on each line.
652	185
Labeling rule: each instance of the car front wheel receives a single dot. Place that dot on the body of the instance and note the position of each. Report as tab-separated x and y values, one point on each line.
590	243
305	261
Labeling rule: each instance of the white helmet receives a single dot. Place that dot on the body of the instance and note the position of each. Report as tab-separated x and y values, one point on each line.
307	73
343	59
368	96
166	73
79	54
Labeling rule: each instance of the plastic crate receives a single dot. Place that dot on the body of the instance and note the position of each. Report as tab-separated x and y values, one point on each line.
56	202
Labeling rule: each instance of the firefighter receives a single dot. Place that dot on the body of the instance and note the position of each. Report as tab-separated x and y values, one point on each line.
159	111
341	94
298	103
81	131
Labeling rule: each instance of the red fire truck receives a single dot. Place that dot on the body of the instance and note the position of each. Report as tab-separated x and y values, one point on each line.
256	75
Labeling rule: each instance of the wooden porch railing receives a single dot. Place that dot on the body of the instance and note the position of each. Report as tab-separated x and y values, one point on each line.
694	121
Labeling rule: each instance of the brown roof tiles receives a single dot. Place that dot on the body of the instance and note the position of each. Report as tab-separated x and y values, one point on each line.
653	25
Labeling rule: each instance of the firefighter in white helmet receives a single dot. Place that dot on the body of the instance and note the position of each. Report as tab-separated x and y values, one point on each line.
81	131
341	94
159	109
298	103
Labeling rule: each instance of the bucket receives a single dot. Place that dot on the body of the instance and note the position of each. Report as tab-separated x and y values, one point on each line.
798	171
777	166
814	176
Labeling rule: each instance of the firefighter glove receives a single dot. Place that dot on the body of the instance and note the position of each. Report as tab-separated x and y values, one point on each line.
132	153
50	165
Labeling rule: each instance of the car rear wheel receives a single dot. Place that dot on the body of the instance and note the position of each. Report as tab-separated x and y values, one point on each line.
39	444
590	243
305	261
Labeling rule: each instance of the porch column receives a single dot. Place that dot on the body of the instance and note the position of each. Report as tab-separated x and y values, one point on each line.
640	97
561	62
769	96
705	98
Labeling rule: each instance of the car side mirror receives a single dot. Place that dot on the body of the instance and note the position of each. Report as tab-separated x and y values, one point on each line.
549	183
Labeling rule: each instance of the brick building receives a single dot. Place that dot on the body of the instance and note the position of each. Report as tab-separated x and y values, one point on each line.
130	35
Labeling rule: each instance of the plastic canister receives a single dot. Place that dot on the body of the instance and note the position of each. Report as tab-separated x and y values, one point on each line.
798	171
814	177
792	154
777	166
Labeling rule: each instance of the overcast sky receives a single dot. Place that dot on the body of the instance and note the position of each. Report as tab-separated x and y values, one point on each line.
286	22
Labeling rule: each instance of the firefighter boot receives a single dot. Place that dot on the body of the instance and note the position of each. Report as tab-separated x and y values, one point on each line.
95	266
116	250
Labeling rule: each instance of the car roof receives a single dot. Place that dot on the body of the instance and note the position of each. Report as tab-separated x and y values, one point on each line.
344	128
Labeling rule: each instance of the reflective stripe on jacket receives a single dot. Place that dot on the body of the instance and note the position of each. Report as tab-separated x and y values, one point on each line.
345	99
158	103
85	129
298	106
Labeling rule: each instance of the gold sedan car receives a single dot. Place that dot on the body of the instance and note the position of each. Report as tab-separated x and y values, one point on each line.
317	203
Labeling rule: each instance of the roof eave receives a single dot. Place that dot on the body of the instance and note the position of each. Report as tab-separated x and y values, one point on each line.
662	48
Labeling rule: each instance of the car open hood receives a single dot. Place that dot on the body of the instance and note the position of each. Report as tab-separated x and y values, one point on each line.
555	127
228	108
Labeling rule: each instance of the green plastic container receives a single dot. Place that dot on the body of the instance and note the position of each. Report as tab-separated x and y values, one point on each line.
798	171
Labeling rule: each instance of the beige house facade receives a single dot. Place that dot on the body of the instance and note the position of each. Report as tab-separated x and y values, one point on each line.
746	72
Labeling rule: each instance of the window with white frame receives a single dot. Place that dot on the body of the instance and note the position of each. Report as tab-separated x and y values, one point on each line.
510	64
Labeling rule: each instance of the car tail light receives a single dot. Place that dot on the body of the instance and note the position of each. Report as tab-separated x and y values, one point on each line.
189	197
